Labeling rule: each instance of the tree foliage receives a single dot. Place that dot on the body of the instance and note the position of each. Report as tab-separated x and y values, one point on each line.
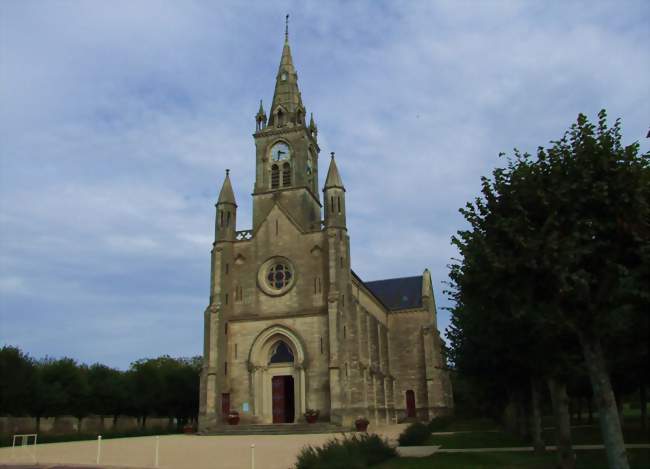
553	271
164	387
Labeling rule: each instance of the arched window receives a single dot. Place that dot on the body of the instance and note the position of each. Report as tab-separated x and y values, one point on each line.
286	174
281	353
275	176
280	118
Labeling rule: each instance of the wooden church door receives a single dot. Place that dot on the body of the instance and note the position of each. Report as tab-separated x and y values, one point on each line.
278	399
410	403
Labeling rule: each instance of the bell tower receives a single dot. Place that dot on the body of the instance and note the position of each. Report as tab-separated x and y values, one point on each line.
286	152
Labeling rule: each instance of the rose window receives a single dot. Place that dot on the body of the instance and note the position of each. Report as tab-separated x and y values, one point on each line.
279	276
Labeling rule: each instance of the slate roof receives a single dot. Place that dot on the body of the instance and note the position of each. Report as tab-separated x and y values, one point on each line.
398	293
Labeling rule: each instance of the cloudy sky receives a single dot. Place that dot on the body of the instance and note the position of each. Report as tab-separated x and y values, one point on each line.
118	119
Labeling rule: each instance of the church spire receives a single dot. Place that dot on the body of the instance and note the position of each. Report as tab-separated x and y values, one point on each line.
287	107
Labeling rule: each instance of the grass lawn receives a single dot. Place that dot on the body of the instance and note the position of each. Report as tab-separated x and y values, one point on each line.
591	435
464	425
585	460
482	439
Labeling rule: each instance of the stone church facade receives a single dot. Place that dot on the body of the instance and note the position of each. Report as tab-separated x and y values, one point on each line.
290	326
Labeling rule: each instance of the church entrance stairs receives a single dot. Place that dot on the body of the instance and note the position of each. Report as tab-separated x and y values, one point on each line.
277	429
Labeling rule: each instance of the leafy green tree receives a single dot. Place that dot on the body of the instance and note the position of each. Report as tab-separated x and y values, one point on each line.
560	243
107	391
18	381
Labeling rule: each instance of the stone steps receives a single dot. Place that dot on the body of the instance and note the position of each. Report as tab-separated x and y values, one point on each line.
277	429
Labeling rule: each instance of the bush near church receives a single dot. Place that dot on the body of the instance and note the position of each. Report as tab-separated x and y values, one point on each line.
415	434
355	452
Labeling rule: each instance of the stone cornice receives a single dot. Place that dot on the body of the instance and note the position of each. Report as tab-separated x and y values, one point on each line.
271	317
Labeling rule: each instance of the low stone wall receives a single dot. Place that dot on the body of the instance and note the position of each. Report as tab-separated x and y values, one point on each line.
68	424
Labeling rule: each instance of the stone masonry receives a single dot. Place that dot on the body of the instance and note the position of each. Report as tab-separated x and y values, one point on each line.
290	326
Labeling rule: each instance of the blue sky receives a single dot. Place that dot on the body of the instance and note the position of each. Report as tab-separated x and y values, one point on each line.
118	119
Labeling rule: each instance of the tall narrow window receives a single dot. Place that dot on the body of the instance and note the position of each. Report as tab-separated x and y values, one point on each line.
344	332
226	298
221	216
338	205
275	176
225	368
235	351
286	174
227	267
321	345
228	219
225	329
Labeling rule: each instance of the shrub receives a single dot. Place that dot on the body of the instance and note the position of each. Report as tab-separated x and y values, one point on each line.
355	452
415	434
439	424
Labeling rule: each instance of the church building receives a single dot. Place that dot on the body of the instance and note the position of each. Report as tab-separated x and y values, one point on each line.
290	326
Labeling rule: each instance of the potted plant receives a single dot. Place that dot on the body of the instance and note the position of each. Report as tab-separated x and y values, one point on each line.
311	415
188	428
233	417
362	424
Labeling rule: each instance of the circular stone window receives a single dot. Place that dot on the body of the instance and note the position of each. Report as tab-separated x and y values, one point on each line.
276	276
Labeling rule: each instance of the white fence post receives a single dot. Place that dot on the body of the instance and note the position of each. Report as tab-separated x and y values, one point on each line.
253	456
157	448
99	448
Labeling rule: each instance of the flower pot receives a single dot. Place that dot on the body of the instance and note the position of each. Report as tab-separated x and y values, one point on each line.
361	426
233	420
311	418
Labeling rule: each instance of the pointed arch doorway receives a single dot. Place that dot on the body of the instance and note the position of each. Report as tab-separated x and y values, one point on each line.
277	376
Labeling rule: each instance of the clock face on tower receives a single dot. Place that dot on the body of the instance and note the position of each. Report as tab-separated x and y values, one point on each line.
280	152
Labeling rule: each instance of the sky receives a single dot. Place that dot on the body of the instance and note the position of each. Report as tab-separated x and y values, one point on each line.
118	120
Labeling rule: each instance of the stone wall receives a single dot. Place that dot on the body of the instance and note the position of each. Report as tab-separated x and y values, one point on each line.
68	424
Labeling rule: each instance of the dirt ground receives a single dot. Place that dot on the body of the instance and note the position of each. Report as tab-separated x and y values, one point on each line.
176	452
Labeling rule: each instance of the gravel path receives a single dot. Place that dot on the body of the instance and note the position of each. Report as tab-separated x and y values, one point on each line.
176	452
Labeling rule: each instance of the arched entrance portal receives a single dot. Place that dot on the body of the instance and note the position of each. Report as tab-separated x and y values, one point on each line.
277	371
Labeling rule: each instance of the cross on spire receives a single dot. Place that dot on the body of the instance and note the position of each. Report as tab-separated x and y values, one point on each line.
286	28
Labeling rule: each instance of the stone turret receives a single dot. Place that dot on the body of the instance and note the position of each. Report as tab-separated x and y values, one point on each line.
226	218
428	301
260	118
334	194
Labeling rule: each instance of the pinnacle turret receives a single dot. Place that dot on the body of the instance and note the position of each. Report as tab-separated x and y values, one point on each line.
227	196
333	177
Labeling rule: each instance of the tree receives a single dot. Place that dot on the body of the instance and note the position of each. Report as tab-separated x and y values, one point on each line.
107	391
17	387
561	242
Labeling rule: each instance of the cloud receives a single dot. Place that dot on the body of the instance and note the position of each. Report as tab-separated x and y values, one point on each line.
118	122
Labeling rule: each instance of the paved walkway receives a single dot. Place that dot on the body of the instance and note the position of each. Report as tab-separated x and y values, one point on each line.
178	451
530	448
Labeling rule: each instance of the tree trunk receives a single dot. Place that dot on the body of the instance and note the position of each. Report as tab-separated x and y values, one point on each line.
38	424
144	422
536	418
579	410
590	410
510	415
610	425
643	401
618	399
560	399
522	417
